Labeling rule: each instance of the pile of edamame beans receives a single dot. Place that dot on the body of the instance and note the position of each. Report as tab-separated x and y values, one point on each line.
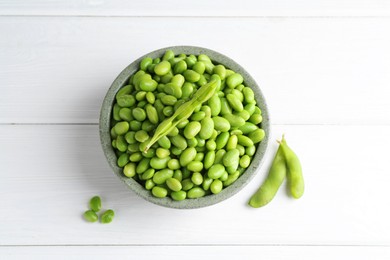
208	146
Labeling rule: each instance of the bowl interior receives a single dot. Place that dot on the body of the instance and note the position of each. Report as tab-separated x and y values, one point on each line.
104	128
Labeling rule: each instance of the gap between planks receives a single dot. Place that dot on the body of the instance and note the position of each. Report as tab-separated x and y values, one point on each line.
205	17
198	245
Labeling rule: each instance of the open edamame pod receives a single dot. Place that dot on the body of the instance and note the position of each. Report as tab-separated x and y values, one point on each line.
270	186
294	176
203	94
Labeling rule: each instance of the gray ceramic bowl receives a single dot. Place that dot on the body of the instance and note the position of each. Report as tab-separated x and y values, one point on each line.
105	138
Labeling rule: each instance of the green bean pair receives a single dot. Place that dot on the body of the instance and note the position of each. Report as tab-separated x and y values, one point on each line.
285	164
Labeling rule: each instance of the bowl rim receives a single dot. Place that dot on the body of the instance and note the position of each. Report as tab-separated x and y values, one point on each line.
239	184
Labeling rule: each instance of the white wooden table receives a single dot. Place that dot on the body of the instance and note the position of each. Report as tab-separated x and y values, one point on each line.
324	67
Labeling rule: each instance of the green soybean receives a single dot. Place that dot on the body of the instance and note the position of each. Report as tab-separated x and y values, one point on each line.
179	195
162	153
231	158
139	114
161	176
124	91
198	116
250	150
95	203
222	140
151	113
90	216
244	140
206	183
216	171
209	159
232	143
220	70
225	107
248	94
197	178
234	102
125	114
173	184
159	192
141	136
159	163
187	184
179	141
196	192
121	143
129	170
199	157
180	67
256	119
192	129
187	90
215	105
234	120
234	80
195	166
107	216
247	128
148	174
147	84
211	145
244	115
173	89
257	135
142	166
207	128
221	124
245	161
187	156
126	101
123	160
121	128
145	63
231	178
191	76
219	155
162	68
216	186
174	164
178	175
164	142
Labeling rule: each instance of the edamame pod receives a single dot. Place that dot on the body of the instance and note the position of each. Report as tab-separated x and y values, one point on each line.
270	186
295	178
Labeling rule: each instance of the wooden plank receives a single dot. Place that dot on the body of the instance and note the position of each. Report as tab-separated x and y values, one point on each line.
196	252
48	174
312	71
198	8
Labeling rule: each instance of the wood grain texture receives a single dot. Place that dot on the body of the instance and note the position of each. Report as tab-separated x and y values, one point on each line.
197	252
312	71
197	8
48	173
